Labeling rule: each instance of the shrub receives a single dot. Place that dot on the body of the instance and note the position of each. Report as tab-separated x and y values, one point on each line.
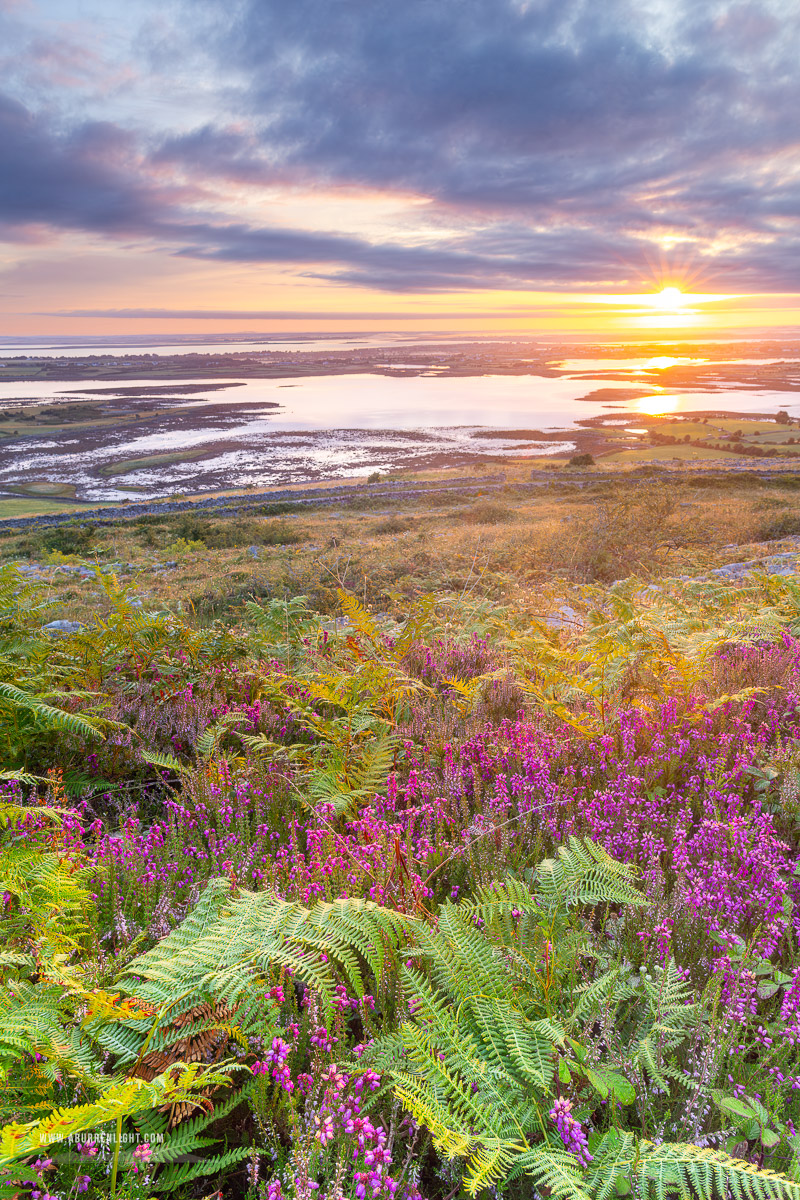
75	537
581	460
394	525
486	512
626	533
279	533
786	525
224	534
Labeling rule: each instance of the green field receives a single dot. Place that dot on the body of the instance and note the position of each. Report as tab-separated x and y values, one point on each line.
31	506
152	460
664	453
43	488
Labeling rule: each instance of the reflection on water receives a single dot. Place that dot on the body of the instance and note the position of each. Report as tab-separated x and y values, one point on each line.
624	364
265	432
253	344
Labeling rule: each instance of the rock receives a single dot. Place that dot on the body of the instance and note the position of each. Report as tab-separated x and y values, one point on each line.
565	618
775	564
730	571
62	628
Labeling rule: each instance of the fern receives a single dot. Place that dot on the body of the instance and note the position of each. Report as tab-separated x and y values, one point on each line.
677	1169
481	1059
583	873
345	785
174	1153
229	943
44	714
178	1174
14	814
120	1100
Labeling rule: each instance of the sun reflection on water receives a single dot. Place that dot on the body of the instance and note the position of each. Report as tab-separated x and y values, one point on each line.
657	406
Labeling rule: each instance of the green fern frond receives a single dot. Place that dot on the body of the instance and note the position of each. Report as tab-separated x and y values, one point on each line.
22	777
11	814
52	718
553	1171
165	761
178	1174
583	873
120	1100
229	942
694	1171
358	779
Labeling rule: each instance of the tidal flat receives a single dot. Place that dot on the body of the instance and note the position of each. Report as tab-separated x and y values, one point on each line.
99	426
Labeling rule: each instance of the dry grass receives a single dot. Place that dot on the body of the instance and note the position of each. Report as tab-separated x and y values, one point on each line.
504	547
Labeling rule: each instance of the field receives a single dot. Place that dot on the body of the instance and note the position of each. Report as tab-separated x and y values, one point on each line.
659	453
154	403
393	549
31	506
126	465
425	848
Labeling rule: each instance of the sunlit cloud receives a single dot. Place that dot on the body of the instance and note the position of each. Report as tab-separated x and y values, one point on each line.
644	175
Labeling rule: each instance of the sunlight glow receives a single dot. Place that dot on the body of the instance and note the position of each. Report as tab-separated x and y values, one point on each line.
669	298
657	406
663	360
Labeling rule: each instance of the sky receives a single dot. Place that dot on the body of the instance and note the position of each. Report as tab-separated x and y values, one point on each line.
536	166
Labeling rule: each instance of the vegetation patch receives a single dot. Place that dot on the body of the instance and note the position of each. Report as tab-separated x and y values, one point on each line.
465	865
125	466
41	487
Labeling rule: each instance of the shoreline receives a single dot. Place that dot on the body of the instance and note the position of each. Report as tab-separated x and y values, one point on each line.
141	429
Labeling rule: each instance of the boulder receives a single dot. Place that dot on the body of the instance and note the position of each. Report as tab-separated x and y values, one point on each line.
62	628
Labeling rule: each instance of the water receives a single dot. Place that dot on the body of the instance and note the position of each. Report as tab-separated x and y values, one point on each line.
130	347
269	432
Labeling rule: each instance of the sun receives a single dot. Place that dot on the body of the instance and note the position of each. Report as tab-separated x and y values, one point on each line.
669	299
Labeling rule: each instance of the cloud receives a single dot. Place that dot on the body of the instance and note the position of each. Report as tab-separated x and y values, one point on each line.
628	117
558	143
503	103
218	153
87	177
203	314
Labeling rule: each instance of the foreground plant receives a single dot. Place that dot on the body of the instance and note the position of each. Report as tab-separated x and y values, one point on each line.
503	1057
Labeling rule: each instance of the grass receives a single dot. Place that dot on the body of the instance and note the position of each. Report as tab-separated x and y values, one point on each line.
509	544
43	487
664	453
33	507
749	427
152	460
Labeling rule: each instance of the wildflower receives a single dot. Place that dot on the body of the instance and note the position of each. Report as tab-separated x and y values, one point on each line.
571	1131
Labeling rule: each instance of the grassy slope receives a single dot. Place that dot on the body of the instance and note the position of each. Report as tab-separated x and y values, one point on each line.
504	545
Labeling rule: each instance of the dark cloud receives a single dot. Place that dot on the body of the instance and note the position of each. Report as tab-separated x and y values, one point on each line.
506	257
621	117
506	103
557	141
221	153
86	177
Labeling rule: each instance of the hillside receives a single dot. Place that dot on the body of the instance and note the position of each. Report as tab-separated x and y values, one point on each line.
420	847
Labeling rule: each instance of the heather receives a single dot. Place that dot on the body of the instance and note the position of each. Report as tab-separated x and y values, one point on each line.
457	898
